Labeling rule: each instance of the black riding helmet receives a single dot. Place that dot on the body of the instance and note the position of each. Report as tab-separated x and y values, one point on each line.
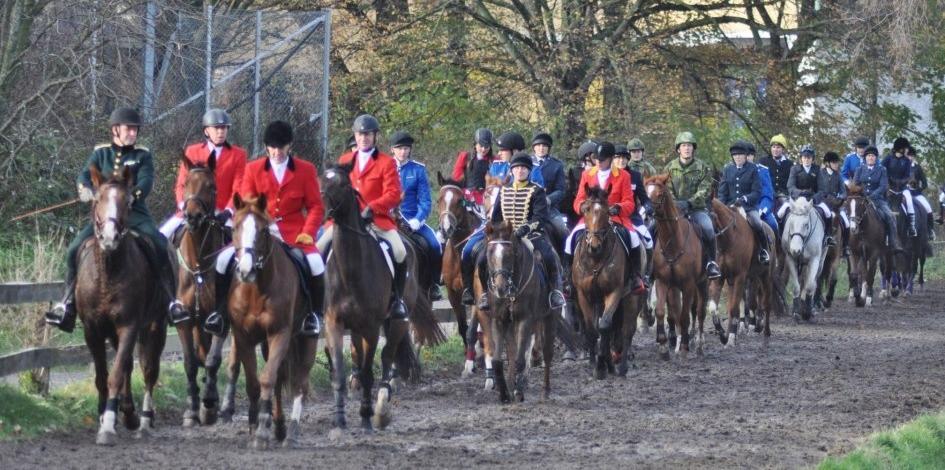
606	151
511	141
278	134
542	138
521	159
124	115
401	139
483	137
587	148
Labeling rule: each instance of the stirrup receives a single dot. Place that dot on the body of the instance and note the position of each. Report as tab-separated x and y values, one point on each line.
712	270
214	324
468	299
61	317
483	302
176	313
556	299
764	257
398	309
311	325
830	241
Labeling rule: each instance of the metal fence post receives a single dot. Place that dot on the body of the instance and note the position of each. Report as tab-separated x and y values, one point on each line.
147	100
256	79
326	61
209	60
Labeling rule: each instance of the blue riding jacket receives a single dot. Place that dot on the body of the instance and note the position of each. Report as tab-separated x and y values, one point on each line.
416	202
500	169
850	163
766	201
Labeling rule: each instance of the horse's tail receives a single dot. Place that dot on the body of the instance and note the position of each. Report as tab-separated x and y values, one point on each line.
566	333
407	361
426	328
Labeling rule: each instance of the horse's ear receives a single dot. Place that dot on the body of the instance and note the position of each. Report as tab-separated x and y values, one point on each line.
439	178
95	176
489	229
261	203
237	201
185	162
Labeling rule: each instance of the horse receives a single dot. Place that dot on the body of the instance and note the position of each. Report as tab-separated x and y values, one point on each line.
518	302
457	221
915	250
200	239
827	280
736	250
118	302
867	244
599	276
679	273
359	286
267	304
802	240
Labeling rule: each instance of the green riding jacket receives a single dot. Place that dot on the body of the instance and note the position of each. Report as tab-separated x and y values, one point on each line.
692	182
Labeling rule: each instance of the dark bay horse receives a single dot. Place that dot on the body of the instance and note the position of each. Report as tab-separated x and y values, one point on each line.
599	276
681	286
736	252
518	302
200	240
267	305
359	291
827	281
867	244
119	303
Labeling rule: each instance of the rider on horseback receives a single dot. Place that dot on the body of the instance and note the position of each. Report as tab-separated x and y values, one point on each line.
522	203
620	197
112	159
872	177
766	201
637	159
555	183
416	203
472	168
831	192
803	182
290	185
510	143
640	199
741	186
899	172
854	159
230	162
917	184
779	165
374	176
691	185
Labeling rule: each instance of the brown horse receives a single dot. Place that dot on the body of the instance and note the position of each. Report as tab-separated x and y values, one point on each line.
827	281
736	250
267	305
867	244
599	276
201	238
118	303
359	290
678	270
457	221
518	302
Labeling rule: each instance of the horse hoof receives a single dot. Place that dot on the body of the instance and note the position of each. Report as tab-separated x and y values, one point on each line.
518	395
336	434
226	415
490	385
396	384
132	422
622	370
290	443
382	412
683	354
869	301
190	420
208	416
568	356
260	443
106	438
600	373
366	426
469	369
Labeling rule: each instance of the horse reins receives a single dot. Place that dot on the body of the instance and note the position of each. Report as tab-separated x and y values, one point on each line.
512	290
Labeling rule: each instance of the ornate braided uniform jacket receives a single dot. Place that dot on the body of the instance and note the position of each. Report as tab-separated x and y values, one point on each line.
523	204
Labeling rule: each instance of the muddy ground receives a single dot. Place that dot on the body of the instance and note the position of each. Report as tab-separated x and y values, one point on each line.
816	390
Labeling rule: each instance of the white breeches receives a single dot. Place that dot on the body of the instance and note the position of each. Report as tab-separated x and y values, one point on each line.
925	202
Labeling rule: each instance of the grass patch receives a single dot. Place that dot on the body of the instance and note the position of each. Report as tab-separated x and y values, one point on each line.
919	444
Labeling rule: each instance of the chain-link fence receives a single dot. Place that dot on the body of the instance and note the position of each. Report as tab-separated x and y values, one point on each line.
172	61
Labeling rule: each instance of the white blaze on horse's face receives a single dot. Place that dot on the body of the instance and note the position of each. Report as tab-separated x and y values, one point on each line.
247	237
649	190
444	219
109	239
853	216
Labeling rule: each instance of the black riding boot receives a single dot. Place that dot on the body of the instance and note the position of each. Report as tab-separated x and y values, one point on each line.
637	284
63	314
712	268
398	310
216	322
893	238
566	273
930	226
466	269
175	311
435	274
845	240
828	230
912	232
556	296
764	255
312	324
648	270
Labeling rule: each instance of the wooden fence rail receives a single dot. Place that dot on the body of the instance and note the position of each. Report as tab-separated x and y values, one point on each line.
46	357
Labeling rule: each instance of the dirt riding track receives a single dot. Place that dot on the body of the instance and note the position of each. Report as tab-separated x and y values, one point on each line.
815	391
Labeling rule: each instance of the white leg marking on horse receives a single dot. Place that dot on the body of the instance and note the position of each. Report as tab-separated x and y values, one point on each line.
108	421
712	308
297	408
146	402
678	343
488	362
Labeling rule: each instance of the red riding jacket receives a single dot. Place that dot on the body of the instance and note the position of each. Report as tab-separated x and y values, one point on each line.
379	185
285	202
621	194
228	171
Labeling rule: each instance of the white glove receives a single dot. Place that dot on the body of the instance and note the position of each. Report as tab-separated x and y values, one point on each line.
85	194
414	224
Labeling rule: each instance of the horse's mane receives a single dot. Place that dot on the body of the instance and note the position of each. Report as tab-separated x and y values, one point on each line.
855	190
340	167
597	193
451	182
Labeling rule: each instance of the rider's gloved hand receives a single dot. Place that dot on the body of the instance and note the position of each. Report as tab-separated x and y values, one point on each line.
522	231
414	224
367	214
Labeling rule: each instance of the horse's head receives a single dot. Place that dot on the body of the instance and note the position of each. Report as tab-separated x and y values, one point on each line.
200	192
594	209
657	189
855	208
798	225
110	207
450	205
338	194
251	237
500	258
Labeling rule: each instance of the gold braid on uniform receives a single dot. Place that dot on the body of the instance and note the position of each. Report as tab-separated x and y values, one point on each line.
515	205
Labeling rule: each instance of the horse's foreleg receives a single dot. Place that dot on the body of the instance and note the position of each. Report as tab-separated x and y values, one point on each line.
98	349
246	351
662	301
523	335
334	336
268	384
150	347
369	347
190	370
119	375
500	340
304	359
589	319
394	332
548	351
228	408
470	339
682	319
211	397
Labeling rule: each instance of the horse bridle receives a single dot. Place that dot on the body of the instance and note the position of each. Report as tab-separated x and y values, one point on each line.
810	226
260	262
99	223
512	289
454	221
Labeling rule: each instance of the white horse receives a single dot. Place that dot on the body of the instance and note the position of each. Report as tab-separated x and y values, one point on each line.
803	242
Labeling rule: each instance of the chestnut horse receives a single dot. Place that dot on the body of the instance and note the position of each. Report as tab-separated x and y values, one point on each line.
678	270
600	276
518	310
119	303
736	250
359	291
267	304
201	239
867	244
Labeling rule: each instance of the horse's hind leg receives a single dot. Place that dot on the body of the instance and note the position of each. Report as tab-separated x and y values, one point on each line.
334	336
150	347
228	407
369	347
117	377
268	385
395	331
548	351
211	397
303	360
246	352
